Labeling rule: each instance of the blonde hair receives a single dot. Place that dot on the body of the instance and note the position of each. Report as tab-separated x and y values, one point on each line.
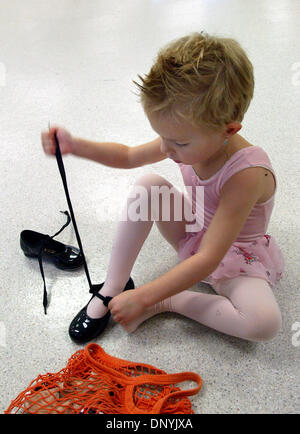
206	80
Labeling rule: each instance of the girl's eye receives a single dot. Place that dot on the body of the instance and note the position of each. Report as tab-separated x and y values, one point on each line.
181	144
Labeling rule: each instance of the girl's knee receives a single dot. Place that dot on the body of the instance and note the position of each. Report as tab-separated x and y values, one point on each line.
266	326
255	302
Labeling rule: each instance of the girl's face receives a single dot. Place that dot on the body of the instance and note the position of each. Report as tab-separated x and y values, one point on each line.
190	145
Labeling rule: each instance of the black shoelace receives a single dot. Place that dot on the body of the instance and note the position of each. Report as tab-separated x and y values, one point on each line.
93	288
40	258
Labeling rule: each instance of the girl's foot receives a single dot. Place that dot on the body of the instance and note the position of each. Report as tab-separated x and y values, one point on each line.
96	308
162	306
84	328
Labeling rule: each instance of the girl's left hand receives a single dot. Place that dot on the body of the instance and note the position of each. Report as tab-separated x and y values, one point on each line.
126	306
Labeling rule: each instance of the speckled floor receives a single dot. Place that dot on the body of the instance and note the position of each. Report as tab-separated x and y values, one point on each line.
72	63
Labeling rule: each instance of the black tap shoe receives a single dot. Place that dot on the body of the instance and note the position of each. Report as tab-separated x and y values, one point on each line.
83	328
40	246
63	256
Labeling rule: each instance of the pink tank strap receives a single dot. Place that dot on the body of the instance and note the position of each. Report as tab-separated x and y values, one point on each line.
252	156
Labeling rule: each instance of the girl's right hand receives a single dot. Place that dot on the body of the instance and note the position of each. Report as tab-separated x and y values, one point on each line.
64	138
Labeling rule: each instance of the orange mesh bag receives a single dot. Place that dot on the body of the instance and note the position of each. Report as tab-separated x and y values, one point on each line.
95	382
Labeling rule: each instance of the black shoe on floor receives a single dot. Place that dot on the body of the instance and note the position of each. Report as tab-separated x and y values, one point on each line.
37	245
63	256
83	328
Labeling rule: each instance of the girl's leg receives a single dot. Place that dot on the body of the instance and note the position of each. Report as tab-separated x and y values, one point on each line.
245	307
131	236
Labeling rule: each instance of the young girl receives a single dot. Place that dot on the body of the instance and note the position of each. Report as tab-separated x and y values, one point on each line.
195	97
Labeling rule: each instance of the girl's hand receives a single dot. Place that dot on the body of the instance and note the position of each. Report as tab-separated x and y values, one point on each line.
126	306
64	138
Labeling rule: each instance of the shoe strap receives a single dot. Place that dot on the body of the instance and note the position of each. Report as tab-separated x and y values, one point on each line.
65	225
40	258
44	241
45	298
64	179
95	292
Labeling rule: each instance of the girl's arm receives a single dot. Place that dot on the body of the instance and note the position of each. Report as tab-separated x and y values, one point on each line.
238	196
107	153
118	155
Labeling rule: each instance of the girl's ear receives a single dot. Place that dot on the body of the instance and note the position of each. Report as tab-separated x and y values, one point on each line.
233	128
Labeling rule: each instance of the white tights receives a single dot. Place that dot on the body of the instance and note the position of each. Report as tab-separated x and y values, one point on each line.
244	307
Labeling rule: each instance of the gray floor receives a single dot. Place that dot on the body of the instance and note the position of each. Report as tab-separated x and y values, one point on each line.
72	63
